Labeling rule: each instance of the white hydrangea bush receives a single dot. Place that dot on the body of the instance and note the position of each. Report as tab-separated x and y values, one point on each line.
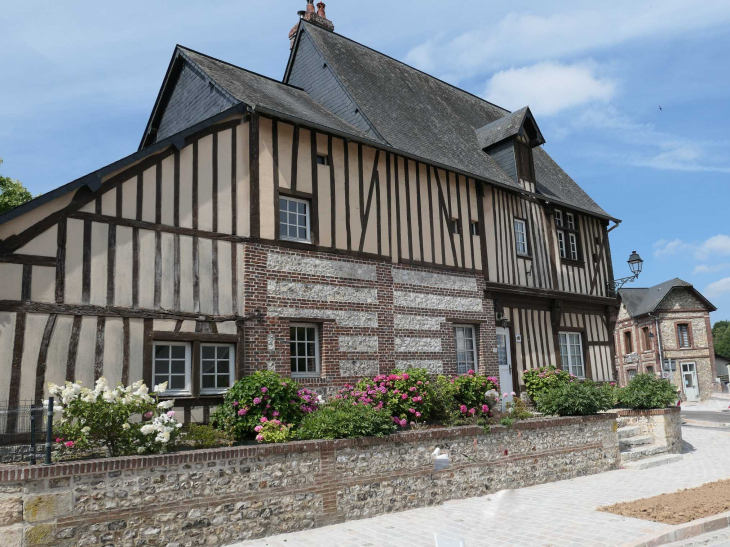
117	421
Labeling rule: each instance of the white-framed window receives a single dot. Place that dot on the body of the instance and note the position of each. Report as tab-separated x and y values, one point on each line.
217	363
683	335
568	235
632	372
571	353
304	349
171	364
474	228
521	236
294	214
466	348
573	249
570	217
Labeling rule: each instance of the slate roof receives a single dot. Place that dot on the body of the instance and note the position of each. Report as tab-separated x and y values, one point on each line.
429	118
640	301
256	90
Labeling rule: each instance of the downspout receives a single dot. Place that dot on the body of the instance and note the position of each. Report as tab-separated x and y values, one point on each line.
659	341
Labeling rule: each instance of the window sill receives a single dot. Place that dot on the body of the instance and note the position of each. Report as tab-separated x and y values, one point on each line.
292	240
571	262
214	393
305	376
525	257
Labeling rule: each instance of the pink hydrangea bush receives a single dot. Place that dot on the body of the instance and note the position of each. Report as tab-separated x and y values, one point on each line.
474	395
263	394
407	395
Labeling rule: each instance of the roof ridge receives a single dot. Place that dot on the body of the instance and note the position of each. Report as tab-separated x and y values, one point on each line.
414	68
240	68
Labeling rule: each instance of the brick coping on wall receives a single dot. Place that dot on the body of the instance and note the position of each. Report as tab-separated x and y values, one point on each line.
624	412
13	473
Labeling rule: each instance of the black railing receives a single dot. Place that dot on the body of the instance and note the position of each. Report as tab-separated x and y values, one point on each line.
26	431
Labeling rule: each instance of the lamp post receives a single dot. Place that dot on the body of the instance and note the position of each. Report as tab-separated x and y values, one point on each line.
635	265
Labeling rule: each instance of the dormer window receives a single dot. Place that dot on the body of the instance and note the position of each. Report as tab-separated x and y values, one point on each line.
525	166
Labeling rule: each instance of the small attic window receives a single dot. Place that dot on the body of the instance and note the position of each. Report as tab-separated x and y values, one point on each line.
323	160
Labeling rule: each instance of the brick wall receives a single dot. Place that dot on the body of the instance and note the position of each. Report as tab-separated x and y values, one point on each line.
218	497
373	316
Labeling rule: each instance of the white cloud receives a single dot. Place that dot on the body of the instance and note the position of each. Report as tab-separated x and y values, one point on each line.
713	247
549	87
650	147
518	38
705	268
665	248
718	288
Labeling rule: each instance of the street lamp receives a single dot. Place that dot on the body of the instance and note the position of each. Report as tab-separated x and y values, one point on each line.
635	265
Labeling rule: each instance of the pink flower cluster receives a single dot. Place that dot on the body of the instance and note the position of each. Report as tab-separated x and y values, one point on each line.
311	400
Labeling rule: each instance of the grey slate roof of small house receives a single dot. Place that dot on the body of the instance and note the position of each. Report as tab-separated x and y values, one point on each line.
256	90
501	128
426	117
640	301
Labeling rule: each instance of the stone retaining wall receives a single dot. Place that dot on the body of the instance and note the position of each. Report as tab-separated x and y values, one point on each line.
664	424
218	497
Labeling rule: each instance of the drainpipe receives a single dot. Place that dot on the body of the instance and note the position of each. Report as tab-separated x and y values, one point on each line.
661	353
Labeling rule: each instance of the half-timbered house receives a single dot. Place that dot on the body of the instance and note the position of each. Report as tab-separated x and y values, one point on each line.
358	216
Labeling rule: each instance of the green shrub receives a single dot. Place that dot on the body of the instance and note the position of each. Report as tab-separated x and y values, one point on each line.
507	422
647	391
518	410
273	432
444	396
539	380
200	436
575	399
346	419
263	394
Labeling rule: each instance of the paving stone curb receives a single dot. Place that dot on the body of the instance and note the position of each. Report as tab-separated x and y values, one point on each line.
682	532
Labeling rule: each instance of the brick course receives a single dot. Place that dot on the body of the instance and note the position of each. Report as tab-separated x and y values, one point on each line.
366	312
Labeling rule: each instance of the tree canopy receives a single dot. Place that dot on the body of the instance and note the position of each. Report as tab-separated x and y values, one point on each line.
12	193
721	337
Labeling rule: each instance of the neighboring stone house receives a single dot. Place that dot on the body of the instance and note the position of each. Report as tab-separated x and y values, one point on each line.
359	216
666	330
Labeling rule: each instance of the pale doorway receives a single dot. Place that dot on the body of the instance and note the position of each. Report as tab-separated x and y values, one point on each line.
689	381
504	358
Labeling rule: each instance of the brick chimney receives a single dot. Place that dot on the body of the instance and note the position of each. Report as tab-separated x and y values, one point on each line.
317	17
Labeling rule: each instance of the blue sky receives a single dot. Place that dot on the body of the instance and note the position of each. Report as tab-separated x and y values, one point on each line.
80	78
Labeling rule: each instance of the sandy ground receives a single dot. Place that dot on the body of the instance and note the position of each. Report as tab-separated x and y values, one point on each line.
680	507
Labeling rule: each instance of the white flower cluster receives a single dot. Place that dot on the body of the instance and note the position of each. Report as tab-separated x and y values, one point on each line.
137	393
163	425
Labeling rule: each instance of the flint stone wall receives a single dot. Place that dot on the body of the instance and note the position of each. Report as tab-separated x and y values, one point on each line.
664	424
218	497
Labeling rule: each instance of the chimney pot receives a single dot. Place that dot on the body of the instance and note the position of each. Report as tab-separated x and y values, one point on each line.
310	6
320	9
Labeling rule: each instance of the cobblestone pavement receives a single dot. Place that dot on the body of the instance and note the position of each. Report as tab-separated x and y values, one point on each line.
559	514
